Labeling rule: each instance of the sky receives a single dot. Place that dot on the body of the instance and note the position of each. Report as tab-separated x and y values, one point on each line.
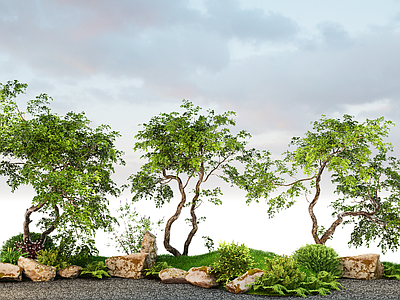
279	65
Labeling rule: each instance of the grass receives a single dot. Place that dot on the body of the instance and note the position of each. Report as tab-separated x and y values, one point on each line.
187	262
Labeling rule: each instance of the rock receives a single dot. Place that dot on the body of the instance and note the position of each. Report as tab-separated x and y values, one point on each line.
149	245
202	277
366	266
173	275
71	272
10	272
128	266
36	271
242	284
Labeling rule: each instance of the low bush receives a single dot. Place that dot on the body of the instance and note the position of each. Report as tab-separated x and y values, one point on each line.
319	258
233	260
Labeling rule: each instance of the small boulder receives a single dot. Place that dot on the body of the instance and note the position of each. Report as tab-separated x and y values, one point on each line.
202	277
242	284
128	266
35	270
10	272
149	245
366	266
70	272
173	275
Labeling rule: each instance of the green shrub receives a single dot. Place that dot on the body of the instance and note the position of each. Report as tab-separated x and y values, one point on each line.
95	269
319	258
232	261
10	243
392	271
11	256
283	277
51	257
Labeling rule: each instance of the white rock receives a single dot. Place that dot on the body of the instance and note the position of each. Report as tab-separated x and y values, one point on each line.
202	277
242	284
173	275
10	272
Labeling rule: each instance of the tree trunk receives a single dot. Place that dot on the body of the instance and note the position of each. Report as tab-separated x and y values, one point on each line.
313	203
171	220
27	234
192	213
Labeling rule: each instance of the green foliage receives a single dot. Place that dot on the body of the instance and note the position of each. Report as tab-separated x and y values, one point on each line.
233	260
95	269
73	251
130	240
208	243
68	163
10	243
51	257
392	271
282	277
158	266
11	256
317	258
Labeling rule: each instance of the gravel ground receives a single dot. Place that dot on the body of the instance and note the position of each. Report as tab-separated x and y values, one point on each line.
121	289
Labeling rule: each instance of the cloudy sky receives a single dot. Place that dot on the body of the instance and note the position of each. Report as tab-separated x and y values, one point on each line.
279	64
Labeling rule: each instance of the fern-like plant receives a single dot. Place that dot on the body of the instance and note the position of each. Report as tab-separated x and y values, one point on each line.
391	271
95	269
158	266
282	277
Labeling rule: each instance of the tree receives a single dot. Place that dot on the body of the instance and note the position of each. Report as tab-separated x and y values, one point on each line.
182	147
345	149
68	164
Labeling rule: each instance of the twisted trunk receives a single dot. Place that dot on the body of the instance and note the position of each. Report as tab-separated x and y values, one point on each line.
192	213
167	234
27	221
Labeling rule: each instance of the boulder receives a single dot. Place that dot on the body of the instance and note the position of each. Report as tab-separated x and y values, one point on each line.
366	266
35	270
173	275
128	266
10	272
202	277
242	284
149	245
70	272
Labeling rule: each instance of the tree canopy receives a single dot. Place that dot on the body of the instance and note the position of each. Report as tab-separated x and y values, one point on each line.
179	148
356	157
68	164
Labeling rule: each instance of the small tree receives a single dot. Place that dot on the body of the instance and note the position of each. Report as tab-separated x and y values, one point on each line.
344	149
68	164
189	145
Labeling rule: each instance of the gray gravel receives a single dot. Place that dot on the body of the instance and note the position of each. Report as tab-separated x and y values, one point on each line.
120	289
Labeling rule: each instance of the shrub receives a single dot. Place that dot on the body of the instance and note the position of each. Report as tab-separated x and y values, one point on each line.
51	257
95	269
319	258
232	261
282	277
31	250
11	256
